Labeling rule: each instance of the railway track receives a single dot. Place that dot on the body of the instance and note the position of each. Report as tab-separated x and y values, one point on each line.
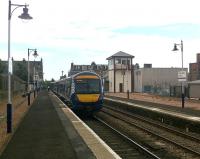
155	138
120	143
183	143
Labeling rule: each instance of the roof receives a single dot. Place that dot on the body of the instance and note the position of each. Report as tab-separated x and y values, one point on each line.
120	54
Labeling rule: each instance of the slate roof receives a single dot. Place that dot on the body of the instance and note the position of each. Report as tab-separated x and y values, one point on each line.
120	54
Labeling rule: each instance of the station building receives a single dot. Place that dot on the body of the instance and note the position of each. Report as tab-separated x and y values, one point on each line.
120	72
194	78
194	69
121	75
162	81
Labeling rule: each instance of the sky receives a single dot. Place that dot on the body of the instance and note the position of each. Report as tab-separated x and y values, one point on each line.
83	31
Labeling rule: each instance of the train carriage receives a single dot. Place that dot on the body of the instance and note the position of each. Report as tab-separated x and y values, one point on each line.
83	91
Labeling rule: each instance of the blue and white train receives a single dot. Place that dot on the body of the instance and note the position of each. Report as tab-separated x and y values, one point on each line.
83	92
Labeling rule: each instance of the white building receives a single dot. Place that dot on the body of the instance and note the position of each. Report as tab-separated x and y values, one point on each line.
120	72
156	80
194	89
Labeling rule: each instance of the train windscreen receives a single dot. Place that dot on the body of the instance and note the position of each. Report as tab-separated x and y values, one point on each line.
87	86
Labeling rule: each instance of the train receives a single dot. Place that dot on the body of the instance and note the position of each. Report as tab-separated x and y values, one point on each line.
83	92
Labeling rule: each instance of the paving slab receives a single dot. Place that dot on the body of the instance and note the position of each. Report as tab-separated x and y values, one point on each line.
41	134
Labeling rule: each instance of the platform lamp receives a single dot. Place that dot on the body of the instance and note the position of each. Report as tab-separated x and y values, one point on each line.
35	54
182	87
28	83
25	16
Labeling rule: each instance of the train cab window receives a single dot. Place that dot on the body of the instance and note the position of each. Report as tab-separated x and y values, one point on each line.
87	86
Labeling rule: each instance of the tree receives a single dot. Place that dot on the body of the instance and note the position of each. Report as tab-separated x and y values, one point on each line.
3	67
20	70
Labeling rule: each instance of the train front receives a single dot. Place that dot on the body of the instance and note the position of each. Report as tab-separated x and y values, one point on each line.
88	96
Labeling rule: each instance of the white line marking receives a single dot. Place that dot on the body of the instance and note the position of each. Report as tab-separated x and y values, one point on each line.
93	133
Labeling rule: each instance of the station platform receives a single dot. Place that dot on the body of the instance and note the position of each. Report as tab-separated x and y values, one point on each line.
50	130
164	109
173	105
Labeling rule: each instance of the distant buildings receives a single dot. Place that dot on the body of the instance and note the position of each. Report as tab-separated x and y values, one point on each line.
20	69
100	69
162	81
39	75
120	75
194	69
194	89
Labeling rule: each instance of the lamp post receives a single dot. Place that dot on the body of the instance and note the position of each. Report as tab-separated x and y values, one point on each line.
28	83
127	69
25	16
35	56
183	72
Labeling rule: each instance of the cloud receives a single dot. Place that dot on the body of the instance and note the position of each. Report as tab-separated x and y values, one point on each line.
66	31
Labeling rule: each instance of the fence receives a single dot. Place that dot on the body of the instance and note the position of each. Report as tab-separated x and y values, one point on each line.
173	91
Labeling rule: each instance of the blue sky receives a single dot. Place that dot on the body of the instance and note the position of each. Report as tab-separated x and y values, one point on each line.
66	31
189	30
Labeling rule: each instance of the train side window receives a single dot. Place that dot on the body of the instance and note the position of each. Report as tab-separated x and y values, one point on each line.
68	86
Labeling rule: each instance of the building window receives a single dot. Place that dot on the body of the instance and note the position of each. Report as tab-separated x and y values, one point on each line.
118	61
110	62
124	62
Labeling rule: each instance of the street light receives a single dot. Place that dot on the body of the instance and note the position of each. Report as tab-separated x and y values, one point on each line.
28	83
35	56
183	72
25	16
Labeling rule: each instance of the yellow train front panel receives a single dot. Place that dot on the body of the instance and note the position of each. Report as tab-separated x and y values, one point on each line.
86	98
87	77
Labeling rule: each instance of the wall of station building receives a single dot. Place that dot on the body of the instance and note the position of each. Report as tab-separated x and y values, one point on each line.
122	80
154	80
194	89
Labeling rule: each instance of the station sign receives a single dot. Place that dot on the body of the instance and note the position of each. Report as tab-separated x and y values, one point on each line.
182	76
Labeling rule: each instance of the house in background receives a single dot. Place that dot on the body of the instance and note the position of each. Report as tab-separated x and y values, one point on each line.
194	78
120	72
100	69
194	69
120	75
35	71
194	89
20	69
19	78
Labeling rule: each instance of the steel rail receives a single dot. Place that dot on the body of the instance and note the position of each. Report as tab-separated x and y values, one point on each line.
188	136
129	139
151	132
